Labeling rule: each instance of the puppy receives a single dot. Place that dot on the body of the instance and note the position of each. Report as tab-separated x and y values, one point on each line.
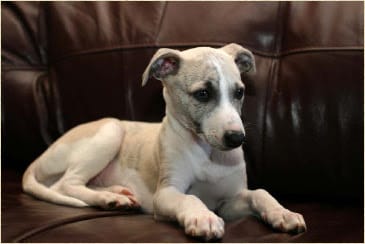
189	168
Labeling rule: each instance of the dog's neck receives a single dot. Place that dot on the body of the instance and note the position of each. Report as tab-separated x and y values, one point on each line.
232	157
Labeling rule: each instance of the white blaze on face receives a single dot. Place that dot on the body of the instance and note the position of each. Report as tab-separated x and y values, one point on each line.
225	117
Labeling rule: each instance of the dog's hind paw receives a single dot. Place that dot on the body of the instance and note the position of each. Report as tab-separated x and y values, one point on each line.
116	197
112	201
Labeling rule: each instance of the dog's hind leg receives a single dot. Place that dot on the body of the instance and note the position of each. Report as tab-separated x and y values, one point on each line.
88	157
32	186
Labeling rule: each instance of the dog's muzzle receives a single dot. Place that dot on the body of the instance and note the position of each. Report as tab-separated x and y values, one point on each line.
233	139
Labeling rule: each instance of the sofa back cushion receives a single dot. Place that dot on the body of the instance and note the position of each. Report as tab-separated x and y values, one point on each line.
66	63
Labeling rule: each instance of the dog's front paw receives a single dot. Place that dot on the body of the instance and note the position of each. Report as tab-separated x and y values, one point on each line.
203	224
284	220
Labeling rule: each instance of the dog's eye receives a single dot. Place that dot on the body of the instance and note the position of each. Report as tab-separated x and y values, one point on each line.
238	93
202	95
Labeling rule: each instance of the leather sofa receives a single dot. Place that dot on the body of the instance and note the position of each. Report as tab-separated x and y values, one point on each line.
66	63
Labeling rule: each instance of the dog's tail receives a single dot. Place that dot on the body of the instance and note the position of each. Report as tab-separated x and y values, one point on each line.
32	186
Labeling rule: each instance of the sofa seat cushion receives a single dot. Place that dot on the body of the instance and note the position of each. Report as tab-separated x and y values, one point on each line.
25	219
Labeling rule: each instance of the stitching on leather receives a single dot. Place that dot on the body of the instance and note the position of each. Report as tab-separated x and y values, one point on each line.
57	105
212	44
319	49
60	222
41	108
161	22
42	34
10	68
272	78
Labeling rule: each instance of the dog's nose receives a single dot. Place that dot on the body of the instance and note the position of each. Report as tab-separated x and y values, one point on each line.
233	139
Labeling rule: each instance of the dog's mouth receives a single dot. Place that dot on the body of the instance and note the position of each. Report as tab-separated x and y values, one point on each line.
197	128
222	144
212	142
212	139
226	148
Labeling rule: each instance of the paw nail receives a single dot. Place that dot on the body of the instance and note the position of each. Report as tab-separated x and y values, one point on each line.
126	192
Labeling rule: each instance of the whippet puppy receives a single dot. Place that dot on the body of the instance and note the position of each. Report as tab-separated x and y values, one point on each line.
189	168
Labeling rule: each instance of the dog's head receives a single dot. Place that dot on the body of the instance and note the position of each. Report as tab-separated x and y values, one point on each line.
203	90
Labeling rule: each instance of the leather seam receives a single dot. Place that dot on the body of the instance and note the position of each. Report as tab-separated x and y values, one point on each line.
272	77
57	223
161	22
41	108
11	68
215	44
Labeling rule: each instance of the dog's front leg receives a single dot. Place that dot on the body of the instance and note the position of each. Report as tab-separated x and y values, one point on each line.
189	211
262	204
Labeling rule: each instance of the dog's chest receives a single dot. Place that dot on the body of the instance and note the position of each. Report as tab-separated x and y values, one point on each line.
214	183
214	165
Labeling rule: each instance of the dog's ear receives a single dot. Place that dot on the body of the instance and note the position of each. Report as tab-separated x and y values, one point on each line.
243	58
165	62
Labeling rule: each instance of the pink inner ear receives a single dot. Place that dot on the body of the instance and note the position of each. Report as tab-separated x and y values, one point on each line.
168	65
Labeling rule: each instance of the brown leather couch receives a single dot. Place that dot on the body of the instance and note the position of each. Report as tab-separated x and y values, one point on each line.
66	63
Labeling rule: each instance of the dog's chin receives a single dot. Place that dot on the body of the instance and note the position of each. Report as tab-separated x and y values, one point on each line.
223	148
214	144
